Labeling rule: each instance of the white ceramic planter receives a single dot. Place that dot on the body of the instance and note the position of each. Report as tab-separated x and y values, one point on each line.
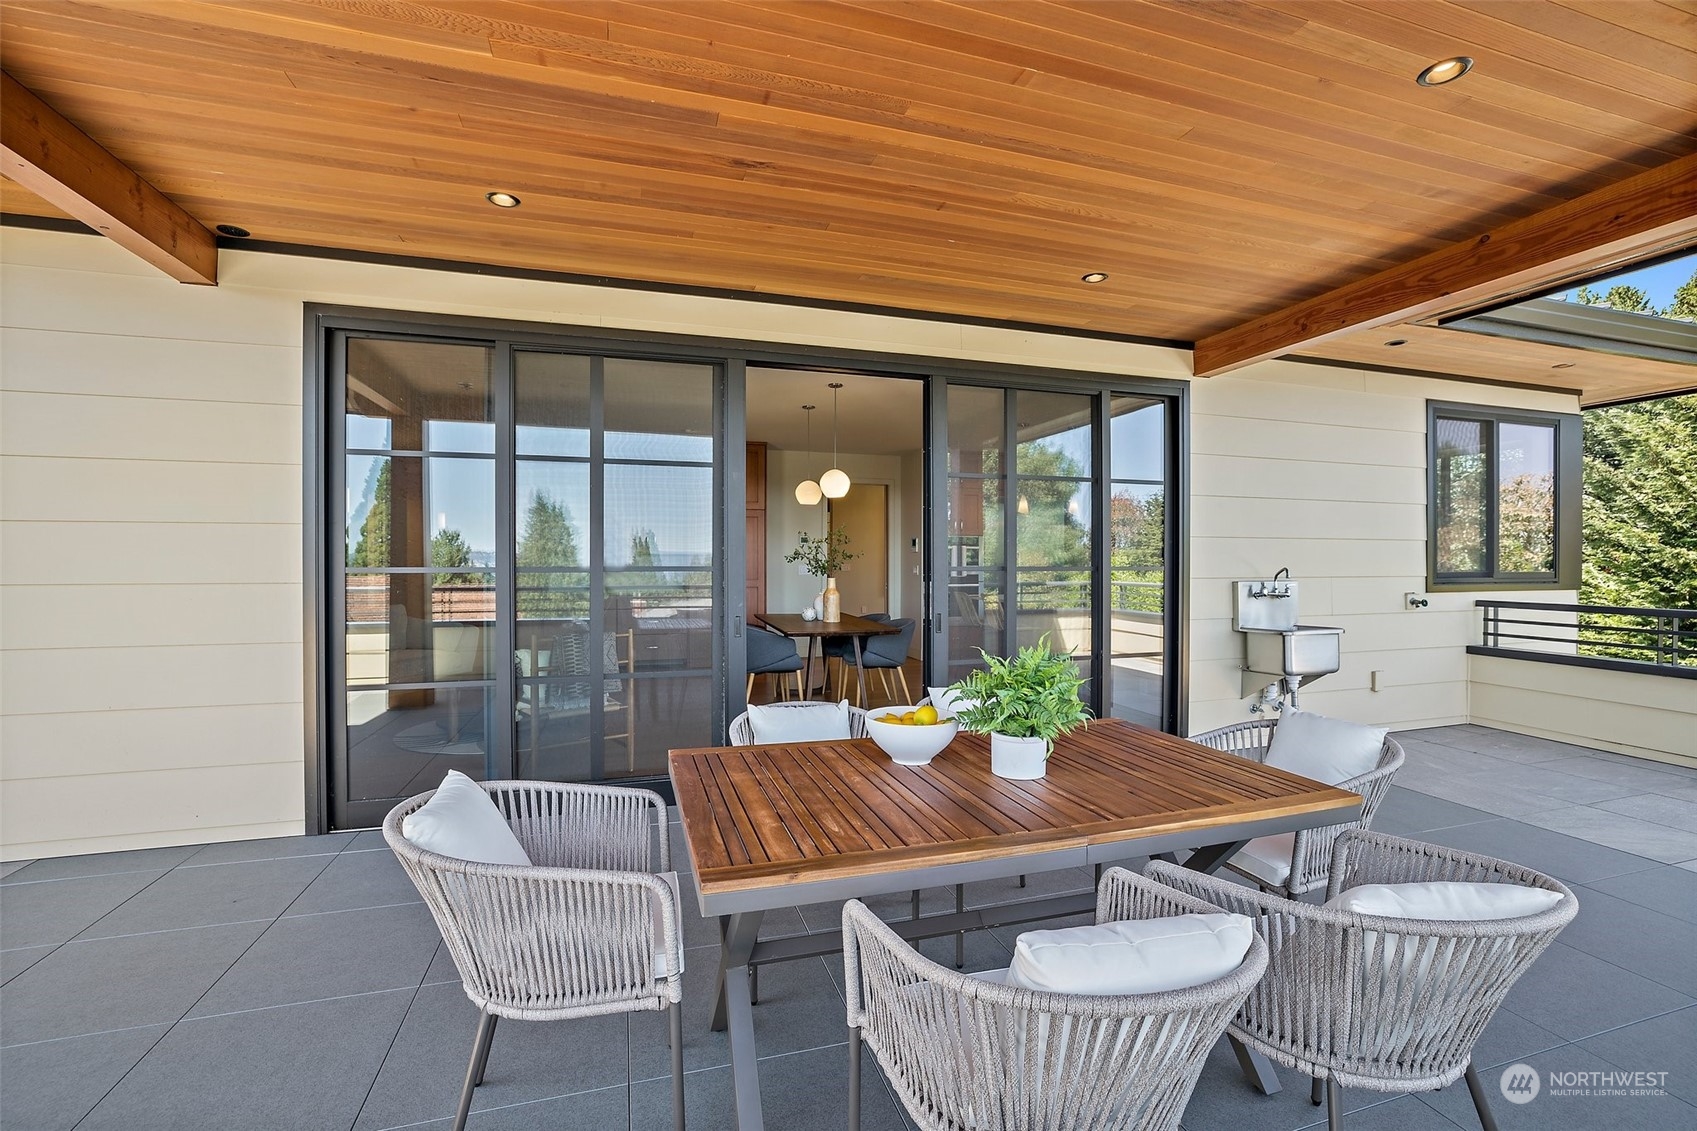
1012	757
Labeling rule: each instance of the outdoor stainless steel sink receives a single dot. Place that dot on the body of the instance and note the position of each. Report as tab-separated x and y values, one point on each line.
1305	650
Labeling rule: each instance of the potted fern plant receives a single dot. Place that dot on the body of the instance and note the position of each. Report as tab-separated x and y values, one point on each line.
1023	702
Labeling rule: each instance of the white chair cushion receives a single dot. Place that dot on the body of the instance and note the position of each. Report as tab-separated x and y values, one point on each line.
803	722
1267	858
1445	900
947	701
1137	956
462	822
1327	750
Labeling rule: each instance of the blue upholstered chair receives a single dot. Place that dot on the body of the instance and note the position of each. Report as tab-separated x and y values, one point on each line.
775	655
884	654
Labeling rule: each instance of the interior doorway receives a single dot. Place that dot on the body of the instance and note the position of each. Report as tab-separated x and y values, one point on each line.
800	424
864	516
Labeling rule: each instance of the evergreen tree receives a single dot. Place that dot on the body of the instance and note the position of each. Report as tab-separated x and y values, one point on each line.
449	550
1641	504
1684	304
547	541
372	549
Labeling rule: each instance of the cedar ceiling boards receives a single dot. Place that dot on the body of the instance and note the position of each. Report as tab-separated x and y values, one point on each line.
1221	161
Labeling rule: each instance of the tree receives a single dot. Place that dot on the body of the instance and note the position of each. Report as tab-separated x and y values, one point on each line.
372	549
1684	304
450	550
1641	504
1631	299
547	541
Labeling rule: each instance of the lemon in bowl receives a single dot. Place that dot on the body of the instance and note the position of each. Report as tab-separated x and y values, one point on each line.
911	736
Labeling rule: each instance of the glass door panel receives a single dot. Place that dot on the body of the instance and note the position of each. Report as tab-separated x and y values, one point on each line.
615	546
974	572
1137	520
419	557
1054	520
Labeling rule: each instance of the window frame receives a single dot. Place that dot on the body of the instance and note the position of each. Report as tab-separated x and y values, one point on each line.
1568	491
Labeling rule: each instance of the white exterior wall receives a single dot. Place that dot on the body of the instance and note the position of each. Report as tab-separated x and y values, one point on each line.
1648	716
151	439
1323	470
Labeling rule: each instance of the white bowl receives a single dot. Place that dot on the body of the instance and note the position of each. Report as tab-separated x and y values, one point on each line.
909	745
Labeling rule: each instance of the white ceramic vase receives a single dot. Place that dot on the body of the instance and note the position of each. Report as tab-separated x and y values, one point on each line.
1012	757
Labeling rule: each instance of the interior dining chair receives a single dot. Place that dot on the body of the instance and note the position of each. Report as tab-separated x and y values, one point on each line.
884	653
772	654
590	928
841	649
978	1051
1389	1003
1293	864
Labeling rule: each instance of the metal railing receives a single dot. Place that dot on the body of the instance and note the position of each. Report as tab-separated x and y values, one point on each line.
1659	641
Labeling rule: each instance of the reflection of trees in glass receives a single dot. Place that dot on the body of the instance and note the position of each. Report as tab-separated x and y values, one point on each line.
372	549
1460	525
1137	532
1526	524
449	550
547	540
1049	534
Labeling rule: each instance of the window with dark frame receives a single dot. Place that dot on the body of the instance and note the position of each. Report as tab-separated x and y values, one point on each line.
1503	498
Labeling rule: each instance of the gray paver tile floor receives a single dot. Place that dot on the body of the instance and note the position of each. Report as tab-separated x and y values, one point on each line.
299	982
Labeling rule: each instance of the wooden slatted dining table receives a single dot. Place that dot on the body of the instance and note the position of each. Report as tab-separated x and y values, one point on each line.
778	826
796	627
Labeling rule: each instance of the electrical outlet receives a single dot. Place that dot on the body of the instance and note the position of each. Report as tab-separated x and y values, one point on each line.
1376	680
1415	600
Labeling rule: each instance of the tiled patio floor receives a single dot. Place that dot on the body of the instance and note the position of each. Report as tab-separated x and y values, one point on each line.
299	983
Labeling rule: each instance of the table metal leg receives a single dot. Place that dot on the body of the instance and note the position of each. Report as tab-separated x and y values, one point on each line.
859	675
731	1010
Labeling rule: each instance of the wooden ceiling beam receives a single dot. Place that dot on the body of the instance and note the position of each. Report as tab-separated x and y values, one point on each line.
1642	216
52	158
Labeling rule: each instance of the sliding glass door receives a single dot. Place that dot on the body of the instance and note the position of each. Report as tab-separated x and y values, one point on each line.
528	546
1056	530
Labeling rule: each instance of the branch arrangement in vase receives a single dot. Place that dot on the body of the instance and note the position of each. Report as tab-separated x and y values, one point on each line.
822	557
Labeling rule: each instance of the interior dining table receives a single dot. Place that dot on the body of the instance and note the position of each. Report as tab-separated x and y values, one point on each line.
785	825
797	627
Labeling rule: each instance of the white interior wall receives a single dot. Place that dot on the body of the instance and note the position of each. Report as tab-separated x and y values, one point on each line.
151	441
787	588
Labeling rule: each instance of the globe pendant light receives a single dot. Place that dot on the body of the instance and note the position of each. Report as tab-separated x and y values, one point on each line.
807	492
835	482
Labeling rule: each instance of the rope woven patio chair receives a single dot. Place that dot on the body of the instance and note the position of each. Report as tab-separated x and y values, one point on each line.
592	928
741	731
1377	1002
1309	852
961	1051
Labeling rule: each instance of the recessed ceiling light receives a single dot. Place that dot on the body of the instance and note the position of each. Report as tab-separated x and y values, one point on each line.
1445	70
233	230
1094	277
1562	365
1397	342
502	199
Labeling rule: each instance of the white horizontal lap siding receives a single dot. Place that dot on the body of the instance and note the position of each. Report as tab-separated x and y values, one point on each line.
1323	470
150	495
1651	716
150	513
150	576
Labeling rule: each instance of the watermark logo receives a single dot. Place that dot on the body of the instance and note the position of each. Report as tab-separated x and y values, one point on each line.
1520	1084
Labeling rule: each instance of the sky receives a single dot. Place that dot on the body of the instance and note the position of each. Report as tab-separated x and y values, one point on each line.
1658	282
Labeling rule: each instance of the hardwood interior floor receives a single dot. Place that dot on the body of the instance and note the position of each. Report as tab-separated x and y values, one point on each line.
766	687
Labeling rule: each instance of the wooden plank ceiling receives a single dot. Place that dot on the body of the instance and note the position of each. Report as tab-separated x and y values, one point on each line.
1219	160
